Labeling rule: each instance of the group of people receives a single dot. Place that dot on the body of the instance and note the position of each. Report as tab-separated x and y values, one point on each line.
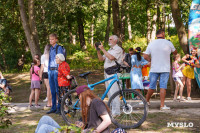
157	55
55	72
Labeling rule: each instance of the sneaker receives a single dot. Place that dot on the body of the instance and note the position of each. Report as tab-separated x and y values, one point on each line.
182	99
30	106
45	100
37	106
164	108
178	97
189	98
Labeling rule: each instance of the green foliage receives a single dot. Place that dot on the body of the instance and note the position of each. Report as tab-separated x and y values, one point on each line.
4	121
73	129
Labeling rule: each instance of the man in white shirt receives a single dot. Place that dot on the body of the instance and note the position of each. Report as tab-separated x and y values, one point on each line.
158	53
115	53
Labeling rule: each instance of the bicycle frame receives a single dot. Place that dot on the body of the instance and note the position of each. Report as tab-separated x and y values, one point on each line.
91	86
115	79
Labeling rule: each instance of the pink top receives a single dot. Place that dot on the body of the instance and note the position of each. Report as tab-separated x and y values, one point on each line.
34	76
177	73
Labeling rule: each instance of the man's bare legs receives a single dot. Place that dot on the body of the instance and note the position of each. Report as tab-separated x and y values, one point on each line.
162	97
149	94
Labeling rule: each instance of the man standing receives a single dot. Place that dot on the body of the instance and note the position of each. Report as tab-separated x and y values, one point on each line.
160	50
53	72
115	53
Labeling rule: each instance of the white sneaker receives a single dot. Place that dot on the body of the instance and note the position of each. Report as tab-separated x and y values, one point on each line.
165	108
45	100
37	106
189	98
178	97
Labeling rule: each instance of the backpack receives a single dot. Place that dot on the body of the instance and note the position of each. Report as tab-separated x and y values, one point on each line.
64	51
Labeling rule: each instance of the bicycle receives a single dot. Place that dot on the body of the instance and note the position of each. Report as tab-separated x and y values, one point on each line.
133	112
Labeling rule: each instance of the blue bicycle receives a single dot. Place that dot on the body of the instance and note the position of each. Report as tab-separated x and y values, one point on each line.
132	111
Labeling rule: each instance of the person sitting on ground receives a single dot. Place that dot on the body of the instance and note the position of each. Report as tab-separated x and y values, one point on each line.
4	85
95	114
63	76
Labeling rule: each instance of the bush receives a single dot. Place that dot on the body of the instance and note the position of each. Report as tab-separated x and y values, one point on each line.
4	121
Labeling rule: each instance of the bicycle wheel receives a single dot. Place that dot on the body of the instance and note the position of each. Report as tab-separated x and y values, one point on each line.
128	108
70	107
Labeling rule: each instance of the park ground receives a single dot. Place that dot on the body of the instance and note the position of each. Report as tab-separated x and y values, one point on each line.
25	121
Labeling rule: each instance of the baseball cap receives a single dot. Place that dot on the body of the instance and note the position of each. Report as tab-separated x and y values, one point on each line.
81	89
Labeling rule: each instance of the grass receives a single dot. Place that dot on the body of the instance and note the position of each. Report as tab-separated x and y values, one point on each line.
26	122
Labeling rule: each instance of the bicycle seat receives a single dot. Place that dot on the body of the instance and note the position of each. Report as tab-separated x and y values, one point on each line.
84	75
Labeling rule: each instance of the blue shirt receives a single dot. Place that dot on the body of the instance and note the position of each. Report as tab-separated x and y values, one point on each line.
52	55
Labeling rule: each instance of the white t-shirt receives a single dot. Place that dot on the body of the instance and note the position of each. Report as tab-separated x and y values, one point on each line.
117	52
160	50
45	62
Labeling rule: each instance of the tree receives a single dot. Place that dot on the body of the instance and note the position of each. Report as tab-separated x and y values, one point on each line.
108	22
29	27
176	14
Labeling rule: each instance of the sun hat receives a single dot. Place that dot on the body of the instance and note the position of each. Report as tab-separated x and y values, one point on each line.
81	89
61	57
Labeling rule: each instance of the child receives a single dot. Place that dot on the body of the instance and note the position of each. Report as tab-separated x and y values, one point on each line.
35	83
177	76
137	61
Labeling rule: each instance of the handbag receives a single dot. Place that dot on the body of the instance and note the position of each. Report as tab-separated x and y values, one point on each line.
113	69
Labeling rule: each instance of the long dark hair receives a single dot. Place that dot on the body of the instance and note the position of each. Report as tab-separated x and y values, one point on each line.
35	61
138	53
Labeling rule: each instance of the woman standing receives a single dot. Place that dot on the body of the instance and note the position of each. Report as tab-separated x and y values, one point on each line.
63	76
44	73
188	71
137	61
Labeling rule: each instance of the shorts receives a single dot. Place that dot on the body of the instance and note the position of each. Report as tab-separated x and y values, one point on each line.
35	84
45	75
153	77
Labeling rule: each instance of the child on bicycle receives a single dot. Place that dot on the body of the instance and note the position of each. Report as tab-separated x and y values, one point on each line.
35	83
177	77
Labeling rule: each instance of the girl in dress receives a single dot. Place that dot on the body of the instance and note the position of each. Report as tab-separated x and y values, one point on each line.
177	77
137	61
188	71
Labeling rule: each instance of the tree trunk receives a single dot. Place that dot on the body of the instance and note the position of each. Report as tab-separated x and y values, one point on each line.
32	22
179	25
81	30
129	28
163	17
108	22
153	33
29	36
123	20
158	15
70	33
116	19
4	67
148	22
92	32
